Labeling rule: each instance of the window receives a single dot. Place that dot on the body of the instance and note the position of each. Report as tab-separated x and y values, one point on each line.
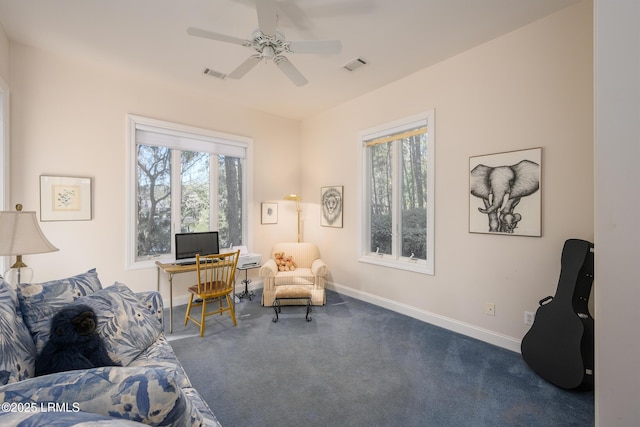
184	179
398	194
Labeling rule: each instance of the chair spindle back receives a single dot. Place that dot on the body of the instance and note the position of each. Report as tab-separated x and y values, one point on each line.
216	272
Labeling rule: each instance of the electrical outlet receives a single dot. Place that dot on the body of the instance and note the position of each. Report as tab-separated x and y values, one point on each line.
490	309
529	316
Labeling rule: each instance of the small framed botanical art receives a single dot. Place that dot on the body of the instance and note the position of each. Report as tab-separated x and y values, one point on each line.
505	193
269	213
65	198
331	205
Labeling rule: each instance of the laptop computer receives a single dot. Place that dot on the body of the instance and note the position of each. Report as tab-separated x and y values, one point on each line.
190	244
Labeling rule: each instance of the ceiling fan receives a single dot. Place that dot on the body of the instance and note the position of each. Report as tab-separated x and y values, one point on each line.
270	44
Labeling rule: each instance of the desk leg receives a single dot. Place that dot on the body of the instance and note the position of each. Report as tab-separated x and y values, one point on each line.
170	303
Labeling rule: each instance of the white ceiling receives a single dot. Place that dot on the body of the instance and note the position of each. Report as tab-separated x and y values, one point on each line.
396	38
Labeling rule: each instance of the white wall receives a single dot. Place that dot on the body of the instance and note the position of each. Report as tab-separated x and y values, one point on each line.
69	119
617	81
527	89
4	129
4	56
530	88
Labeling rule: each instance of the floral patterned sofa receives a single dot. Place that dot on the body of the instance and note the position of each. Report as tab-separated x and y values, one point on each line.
150	388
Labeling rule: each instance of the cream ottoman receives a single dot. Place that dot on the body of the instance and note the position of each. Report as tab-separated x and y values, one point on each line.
292	292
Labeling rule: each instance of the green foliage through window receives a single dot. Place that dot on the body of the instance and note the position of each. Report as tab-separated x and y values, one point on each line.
398	194
408	156
185	183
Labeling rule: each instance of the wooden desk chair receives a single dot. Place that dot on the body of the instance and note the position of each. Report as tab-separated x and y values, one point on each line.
216	274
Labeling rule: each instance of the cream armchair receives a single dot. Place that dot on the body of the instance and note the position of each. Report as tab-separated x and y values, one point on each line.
311	272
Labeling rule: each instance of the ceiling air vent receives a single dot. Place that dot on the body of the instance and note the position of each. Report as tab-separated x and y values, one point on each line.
214	73
354	64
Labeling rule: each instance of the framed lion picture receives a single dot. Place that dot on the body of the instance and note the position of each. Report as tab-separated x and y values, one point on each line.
331	206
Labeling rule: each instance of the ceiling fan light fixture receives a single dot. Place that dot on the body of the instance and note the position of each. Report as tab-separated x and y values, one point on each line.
268	52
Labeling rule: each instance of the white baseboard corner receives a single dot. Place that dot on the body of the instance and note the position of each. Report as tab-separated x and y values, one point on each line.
453	325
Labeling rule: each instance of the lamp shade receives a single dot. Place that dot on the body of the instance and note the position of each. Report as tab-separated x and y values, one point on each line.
293	197
20	234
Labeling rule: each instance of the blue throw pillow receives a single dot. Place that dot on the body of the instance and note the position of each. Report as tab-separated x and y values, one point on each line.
17	350
40	301
127	327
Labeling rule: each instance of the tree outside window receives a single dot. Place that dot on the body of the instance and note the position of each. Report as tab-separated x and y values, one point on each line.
398	194
184	184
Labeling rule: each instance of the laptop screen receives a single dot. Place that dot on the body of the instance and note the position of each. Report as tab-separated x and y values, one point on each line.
190	244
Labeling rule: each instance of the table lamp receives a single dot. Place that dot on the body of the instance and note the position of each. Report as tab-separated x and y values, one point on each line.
20	235
297	199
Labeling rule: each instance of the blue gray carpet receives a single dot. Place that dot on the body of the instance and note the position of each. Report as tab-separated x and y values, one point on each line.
357	364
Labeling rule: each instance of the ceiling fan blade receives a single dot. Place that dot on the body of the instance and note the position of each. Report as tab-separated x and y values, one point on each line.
315	46
267	16
197	32
245	67
290	70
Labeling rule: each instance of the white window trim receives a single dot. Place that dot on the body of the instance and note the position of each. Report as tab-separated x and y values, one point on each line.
132	122
4	145
402	263
5	262
4	158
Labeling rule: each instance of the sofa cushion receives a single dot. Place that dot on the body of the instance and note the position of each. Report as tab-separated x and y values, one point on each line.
40	301
126	326
41	415
160	353
198	403
17	350
300	276
145	394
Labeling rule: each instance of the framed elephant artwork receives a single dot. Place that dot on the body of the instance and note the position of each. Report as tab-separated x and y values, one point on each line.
505	193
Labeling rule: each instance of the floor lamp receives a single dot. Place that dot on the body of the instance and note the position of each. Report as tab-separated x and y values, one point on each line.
20	235
297	199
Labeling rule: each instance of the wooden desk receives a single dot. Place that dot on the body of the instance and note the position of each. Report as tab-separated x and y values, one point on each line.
170	269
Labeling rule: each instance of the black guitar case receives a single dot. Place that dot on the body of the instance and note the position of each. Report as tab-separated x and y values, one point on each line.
560	344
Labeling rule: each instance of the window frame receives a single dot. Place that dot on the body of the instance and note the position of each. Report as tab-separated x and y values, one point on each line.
397	261
208	136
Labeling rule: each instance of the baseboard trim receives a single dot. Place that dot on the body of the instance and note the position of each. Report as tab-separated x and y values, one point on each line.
448	323
463	328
